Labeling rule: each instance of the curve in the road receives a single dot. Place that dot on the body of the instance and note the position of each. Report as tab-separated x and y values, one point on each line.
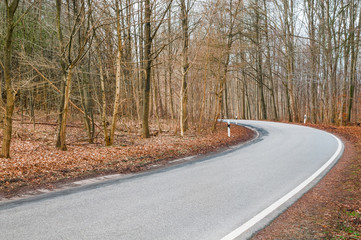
276	205
204	199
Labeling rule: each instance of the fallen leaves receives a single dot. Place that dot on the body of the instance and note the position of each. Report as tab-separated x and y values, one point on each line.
35	162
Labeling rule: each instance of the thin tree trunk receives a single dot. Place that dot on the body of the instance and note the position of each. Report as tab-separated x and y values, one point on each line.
310	10
118	76
274	104
62	130
259	67
185	68
288	16
156	102
147	68
204	88
63	68
170	66
104	102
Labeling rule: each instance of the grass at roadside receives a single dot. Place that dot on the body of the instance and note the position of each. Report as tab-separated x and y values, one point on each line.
37	163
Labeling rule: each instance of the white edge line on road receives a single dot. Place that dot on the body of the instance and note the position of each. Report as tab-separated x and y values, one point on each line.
250	223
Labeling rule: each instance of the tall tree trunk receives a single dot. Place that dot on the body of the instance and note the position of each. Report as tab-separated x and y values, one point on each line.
104	102
63	69
274	104
170	65
259	61
289	33
310	10
84	83
78	52
10	93
185	68
346	56
147	68
329	56
118	76
355	43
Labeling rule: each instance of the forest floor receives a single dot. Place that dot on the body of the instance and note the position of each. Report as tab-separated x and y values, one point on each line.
35	162
332	209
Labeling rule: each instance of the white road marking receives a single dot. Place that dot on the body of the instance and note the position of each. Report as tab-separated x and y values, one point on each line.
250	223
183	159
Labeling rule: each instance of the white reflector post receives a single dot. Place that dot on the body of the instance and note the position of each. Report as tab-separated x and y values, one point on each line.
229	128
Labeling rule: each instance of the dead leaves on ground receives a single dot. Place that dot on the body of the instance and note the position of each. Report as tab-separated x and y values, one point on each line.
36	162
342	216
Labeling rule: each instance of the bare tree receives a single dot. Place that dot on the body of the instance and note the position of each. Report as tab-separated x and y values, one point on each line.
185	68
10	93
69	61
148	58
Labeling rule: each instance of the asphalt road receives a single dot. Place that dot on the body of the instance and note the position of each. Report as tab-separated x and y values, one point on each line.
228	195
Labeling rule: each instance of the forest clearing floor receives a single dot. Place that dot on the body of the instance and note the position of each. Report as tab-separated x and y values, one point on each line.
36	164
332	209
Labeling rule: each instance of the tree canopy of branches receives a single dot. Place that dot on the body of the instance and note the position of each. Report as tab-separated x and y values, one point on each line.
189	62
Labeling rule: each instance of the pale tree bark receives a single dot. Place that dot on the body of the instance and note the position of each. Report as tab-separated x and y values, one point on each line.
310	10
324	96
329	59
65	84
104	102
243	63
118	76
289	41
170	65
346	56
66	109
74	56
185	69
355	43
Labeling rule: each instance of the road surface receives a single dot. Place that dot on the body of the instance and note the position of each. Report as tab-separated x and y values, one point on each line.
225	196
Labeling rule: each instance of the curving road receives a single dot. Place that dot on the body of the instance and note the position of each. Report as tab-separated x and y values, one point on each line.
225	196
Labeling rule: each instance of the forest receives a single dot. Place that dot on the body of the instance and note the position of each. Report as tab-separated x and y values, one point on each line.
147	64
